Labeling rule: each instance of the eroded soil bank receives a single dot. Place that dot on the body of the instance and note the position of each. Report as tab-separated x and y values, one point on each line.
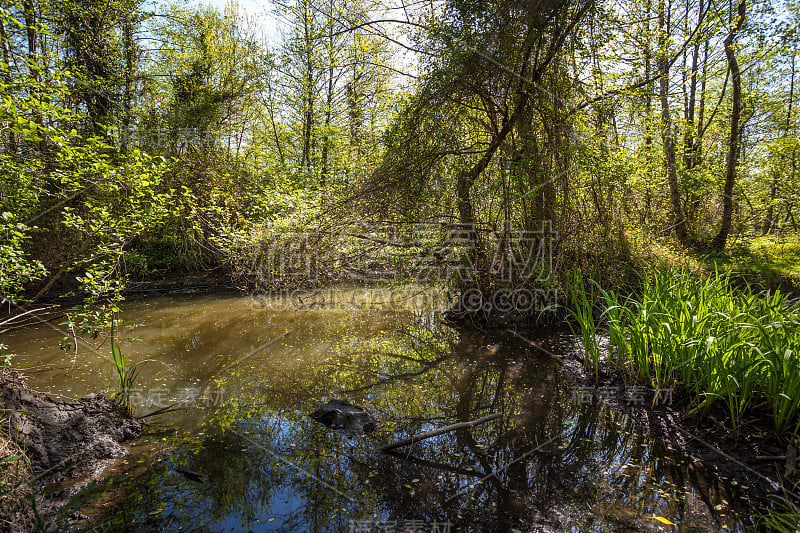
59	441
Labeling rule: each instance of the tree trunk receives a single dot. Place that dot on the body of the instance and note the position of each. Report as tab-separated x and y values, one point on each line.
29	13
648	110
648	102
275	133
735	132
127	32
35	65
440	431
308	90
5	50
678	220
698	143
308	120
769	220
326	135
689	153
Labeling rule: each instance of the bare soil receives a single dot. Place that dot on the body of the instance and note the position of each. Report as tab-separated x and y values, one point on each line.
61	440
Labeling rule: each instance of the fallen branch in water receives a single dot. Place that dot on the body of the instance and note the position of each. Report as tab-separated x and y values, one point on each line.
438	466
17	321
435	432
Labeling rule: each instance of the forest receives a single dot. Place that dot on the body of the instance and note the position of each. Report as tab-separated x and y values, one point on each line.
141	143
625	169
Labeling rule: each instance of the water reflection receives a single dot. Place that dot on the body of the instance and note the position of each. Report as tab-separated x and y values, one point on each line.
264	465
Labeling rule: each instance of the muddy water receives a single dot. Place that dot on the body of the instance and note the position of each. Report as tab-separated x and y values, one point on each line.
239	452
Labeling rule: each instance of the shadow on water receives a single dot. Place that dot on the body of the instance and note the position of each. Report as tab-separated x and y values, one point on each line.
248	457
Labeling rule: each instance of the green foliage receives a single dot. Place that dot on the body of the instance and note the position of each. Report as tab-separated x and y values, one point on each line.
88	200
125	203
208	79
16	267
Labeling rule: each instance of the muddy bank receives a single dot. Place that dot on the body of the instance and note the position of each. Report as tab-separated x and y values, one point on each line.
61	440
207	282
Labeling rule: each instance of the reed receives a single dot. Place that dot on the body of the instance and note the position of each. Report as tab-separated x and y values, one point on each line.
126	374
582	311
782	516
722	345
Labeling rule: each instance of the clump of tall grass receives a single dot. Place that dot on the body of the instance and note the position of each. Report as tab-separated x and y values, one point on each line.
14	472
720	344
582	311
126	374
783	516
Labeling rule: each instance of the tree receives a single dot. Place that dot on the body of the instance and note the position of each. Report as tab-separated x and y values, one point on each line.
735	127
667	136
301	63
93	56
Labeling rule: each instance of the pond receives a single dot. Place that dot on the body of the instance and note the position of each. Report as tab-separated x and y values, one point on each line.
238	451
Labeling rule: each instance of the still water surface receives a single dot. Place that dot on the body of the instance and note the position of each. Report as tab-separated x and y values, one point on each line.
240	453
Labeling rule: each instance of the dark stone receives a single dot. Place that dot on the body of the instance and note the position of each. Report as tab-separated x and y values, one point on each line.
338	414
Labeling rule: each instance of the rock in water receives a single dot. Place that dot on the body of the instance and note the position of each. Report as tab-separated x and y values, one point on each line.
189	474
338	414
